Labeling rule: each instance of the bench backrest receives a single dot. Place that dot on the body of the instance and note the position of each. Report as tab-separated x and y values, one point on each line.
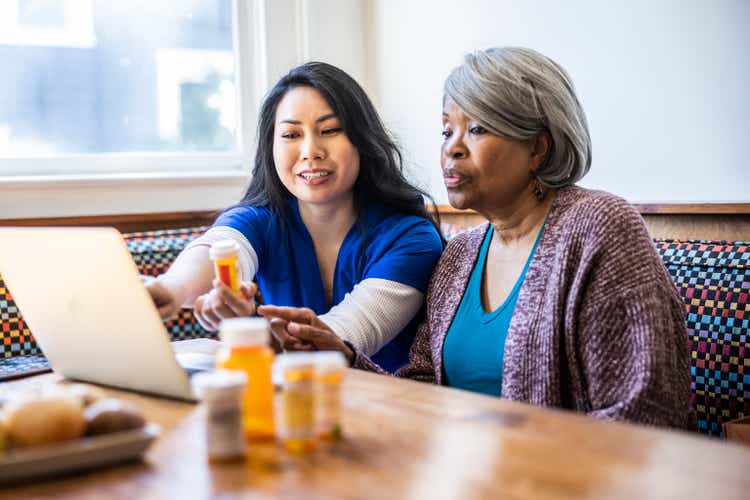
713	279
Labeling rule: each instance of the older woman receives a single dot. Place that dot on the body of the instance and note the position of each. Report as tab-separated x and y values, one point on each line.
559	299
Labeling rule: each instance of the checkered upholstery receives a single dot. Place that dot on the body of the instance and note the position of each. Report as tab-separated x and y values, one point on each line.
16	338
153	253
713	279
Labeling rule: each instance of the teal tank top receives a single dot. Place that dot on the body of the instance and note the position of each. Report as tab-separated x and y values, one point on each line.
475	343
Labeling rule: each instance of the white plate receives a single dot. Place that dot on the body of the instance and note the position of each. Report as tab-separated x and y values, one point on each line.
34	462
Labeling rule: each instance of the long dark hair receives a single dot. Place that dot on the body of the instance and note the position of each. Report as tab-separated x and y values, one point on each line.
381	176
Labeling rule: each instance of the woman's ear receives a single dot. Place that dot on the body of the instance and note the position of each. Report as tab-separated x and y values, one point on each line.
541	146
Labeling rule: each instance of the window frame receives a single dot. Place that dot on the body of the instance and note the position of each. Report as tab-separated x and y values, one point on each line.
63	184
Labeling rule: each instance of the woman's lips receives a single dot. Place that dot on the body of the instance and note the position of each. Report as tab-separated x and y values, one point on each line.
315	178
452	181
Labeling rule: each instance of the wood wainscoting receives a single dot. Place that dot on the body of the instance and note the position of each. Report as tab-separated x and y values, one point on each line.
125	223
692	221
706	221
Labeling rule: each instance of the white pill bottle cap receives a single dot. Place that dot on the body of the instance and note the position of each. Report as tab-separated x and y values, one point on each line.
224	249
244	331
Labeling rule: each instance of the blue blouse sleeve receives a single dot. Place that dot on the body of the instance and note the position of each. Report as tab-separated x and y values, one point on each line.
253	222
405	252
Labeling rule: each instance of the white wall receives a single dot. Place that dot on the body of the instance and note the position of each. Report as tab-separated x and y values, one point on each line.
337	34
332	31
665	84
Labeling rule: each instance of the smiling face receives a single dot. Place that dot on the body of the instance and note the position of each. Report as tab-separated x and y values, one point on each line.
314	158
481	170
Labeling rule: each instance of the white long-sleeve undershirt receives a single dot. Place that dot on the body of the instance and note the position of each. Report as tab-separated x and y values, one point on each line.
373	313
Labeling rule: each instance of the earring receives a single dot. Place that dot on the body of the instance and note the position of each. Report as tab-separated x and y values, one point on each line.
538	191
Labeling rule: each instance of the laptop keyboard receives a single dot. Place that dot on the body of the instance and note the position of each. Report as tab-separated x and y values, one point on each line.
194	362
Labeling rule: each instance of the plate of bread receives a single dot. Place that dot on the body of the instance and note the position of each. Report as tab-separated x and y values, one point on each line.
62	429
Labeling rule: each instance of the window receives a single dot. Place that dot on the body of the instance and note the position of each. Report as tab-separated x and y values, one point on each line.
46	23
131	77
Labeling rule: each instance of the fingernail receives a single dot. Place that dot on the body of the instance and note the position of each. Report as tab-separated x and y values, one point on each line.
293	327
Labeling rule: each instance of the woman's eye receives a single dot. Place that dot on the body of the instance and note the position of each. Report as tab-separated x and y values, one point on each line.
331	131
446	133
290	135
478	130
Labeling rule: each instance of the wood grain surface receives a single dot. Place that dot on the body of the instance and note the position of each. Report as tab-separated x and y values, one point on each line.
405	439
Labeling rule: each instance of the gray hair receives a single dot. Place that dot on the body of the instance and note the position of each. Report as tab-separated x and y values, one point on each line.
517	93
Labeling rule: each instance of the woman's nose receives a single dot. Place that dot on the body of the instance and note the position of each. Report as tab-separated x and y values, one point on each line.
455	148
312	150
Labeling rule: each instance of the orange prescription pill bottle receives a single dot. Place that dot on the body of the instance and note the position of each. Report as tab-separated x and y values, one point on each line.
245	348
329	374
296	405
226	255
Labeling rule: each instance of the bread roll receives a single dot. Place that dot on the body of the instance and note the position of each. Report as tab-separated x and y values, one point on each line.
48	419
111	415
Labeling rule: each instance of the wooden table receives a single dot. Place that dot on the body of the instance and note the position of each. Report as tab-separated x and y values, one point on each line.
405	439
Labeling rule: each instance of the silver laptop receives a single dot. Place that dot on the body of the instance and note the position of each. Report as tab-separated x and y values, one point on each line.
80	293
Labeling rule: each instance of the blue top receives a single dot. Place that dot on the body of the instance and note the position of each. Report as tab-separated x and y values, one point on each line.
383	243
475	342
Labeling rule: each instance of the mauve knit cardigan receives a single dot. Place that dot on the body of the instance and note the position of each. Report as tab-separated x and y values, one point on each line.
598	327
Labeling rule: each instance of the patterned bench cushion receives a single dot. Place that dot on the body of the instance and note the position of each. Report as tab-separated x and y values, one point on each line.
16	337
153	253
713	279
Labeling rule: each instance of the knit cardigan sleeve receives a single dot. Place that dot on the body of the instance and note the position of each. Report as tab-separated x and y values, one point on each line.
633	360
630	337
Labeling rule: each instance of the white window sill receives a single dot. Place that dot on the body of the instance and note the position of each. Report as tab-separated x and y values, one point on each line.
126	193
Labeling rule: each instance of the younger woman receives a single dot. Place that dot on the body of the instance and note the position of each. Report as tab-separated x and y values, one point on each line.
328	223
